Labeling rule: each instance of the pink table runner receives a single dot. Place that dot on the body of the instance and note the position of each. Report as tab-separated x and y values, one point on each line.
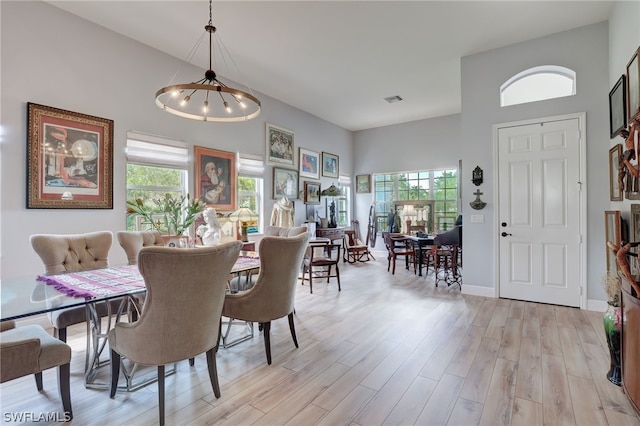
115	280
96	282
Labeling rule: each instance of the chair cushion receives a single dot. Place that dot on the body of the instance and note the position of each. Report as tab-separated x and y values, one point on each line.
28	350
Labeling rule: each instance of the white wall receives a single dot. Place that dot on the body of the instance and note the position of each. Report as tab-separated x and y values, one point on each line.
56	59
417	145
584	50
624	39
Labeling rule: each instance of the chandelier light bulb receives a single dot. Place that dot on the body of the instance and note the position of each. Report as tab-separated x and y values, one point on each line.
227	107
205	108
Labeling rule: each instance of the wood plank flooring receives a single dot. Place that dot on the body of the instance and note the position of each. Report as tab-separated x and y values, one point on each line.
387	349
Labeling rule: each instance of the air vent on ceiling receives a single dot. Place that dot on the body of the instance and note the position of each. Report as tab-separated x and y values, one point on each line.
392	99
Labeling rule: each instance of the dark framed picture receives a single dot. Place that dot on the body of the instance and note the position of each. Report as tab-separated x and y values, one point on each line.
330	166
311	192
215	177
363	184
69	159
634	237
280	146
618	107
285	183
309	164
633	86
616	184
615	233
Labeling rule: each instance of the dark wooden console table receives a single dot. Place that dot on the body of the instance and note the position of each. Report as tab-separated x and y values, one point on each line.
331	233
630	350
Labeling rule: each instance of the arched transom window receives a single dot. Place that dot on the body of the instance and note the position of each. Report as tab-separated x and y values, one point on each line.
538	84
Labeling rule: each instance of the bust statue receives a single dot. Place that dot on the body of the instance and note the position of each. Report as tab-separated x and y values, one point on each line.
211	231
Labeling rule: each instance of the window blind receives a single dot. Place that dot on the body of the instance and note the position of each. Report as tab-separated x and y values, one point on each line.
156	150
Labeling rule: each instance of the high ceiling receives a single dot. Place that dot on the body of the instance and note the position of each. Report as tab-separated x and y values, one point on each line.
338	60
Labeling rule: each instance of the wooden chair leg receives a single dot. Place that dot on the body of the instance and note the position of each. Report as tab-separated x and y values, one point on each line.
293	330
161	394
338	277
115	372
310	279
393	271
192	362
38	377
64	387
266	326
213	371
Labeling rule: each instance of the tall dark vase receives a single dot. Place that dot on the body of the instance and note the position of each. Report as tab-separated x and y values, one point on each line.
612	331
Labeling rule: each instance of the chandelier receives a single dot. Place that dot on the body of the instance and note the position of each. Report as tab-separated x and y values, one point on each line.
208	99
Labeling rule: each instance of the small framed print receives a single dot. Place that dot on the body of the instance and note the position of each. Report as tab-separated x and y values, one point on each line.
616	184
216	178
633	86
69	159
618	107
311	192
363	184
280	146
285	183
330	165
309	164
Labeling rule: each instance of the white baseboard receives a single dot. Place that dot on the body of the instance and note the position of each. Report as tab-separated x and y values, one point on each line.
475	290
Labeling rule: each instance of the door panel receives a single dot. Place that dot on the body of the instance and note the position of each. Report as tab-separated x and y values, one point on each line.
539	169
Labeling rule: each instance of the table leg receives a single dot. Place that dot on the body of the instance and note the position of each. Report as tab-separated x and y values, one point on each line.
419	259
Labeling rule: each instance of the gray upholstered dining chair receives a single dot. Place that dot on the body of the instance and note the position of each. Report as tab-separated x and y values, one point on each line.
181	318
30	349
273	294
133	241
73	253
282	231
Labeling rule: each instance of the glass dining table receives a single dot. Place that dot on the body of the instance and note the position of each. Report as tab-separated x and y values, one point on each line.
31	295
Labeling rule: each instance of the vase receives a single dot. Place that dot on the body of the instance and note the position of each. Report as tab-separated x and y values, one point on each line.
178	241
612	331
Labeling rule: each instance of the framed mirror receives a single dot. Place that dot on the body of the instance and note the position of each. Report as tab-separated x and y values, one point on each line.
616	232
415	215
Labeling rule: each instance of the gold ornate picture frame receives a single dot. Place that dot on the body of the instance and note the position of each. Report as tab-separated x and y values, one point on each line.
69	159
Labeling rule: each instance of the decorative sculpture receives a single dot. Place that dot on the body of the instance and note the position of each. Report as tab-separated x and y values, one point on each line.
211	231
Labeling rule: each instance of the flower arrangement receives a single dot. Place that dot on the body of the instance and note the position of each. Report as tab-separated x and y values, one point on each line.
168	214
612	285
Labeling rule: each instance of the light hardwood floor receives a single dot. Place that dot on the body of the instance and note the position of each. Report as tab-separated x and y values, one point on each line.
385	350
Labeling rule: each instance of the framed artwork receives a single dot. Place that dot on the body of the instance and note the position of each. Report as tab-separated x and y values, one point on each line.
633	86
280	146
634	237
309	164
215	177
616	183
69	159
330	165
363	184
615	232
311	192
285	183
618	107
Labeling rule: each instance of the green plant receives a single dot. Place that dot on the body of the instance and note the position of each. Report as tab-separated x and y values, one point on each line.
167	214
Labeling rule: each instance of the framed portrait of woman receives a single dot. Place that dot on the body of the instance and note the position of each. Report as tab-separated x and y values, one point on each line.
215	177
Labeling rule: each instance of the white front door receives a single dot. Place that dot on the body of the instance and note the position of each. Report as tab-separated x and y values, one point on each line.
539	212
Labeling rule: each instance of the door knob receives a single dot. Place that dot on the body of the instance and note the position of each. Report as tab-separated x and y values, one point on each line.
505	234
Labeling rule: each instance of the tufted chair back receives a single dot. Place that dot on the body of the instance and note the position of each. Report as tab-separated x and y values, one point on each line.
281	231
73	252
133	241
